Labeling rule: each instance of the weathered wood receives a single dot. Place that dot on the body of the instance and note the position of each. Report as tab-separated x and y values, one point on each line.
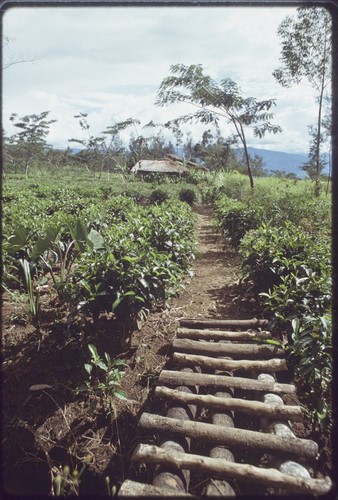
230	349
255	408
304	448
216	486
173	378
244	472
223	323
189	333
274	364
286	467
177	480
134	489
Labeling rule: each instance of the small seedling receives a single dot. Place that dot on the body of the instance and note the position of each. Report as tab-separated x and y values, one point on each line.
103	383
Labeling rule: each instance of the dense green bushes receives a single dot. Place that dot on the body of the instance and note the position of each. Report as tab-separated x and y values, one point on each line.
101	253
282	232
291	271
188	195
234	219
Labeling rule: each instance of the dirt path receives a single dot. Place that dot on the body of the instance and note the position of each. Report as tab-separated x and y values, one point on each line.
212	291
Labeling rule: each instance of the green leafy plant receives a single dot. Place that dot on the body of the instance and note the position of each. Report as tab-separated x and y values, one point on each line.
311	358
158	196
188	195
32	292
104	377
291	271
235	219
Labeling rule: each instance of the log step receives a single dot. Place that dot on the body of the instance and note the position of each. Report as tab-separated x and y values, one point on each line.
265	351
226	346
195	333
255	408
223	323
217	434
249	473
175	378
135	489
270	365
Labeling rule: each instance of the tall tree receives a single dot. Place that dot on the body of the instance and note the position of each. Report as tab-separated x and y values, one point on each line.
30	143
223	100
103	150
306	52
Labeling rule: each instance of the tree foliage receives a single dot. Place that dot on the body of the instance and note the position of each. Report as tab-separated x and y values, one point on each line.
103	151
306	53
29	143
216	101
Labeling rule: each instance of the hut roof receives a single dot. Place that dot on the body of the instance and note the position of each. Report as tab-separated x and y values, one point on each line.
162	166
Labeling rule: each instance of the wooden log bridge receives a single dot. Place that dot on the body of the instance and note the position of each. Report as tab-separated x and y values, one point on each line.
210	356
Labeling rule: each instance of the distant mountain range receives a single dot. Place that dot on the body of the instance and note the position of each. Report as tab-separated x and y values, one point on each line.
277	160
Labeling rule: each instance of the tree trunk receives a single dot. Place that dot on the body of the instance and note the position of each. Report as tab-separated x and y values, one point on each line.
256	408
173	378
189	333
319	122
223	323
229	349
269	365
248	473
251	440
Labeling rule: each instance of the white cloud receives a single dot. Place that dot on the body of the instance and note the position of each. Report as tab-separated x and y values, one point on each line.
110	62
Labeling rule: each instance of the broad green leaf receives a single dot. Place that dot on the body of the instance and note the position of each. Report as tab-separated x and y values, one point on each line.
79	234
102	365
116	303
45	243
18	240
88	368
93	351
121	395
95	240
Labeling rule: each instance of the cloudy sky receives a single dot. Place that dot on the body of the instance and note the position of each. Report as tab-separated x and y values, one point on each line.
109	62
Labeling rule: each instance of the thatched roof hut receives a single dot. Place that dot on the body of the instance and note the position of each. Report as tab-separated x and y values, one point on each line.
166	166
171	164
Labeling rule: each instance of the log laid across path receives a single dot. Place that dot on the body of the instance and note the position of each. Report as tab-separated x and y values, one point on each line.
255	408
154	454
188	333
229	349
175	378
198	354
304	448
267	365
223	323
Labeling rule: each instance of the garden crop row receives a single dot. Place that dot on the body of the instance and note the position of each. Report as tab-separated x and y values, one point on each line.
285	244
98	253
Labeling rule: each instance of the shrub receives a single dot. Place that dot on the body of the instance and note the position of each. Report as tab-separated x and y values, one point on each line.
292	270
188	195
158	196
234	219
311	359
272	253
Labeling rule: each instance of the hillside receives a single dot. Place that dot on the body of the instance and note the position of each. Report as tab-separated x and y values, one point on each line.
277	160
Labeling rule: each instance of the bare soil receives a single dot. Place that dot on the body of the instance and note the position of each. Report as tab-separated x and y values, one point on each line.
46	429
